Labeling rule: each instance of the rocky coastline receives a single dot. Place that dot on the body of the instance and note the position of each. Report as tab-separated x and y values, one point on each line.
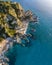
14	23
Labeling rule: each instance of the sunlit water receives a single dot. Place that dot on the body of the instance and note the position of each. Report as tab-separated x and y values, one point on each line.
40	52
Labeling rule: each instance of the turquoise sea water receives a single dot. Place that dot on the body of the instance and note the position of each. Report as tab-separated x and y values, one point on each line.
40	52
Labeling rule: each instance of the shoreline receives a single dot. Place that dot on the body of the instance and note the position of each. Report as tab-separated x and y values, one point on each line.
14	24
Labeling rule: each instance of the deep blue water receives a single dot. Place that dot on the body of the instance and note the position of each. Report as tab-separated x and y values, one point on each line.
40	52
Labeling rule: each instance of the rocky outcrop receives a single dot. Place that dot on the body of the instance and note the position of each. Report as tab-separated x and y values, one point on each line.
14	23
13	18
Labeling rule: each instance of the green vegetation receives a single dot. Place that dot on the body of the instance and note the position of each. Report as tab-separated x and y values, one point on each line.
10	32
9	19
1	39
12	18
13	23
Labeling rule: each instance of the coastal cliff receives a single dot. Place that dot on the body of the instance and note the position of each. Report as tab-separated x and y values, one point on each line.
14	23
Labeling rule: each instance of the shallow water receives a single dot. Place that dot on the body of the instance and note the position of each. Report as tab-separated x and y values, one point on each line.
40	52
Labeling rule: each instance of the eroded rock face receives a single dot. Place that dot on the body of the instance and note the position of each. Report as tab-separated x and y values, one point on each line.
14	22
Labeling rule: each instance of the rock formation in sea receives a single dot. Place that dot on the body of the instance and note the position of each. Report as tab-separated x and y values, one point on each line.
14	22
